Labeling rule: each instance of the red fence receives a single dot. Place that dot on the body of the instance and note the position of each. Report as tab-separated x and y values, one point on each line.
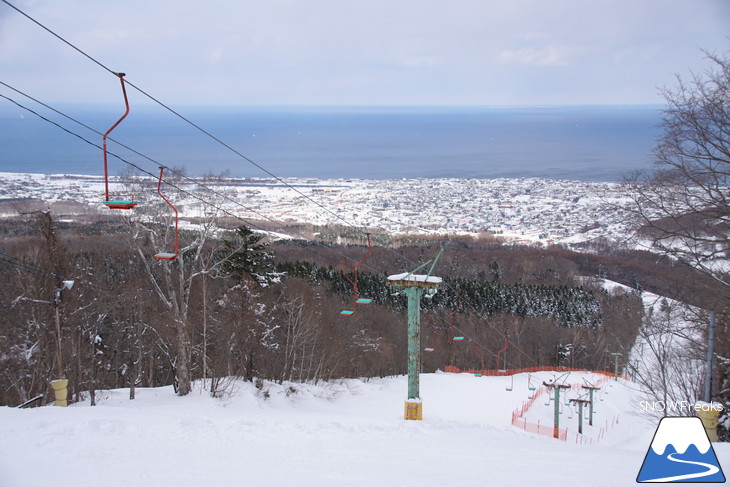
517	415
496	372
541	429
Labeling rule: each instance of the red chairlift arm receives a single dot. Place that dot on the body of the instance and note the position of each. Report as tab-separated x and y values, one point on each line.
126	104
357	267
499	355
475	350
451	319
344	266
159	192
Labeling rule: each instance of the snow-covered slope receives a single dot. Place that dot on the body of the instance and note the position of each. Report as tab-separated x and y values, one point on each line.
347	432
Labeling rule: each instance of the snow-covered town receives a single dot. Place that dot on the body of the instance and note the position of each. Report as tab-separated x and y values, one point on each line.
313	244
523	210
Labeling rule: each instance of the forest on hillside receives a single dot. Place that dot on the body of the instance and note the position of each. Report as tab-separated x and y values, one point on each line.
235	306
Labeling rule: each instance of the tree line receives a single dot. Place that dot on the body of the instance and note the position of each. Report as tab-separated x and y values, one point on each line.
231	307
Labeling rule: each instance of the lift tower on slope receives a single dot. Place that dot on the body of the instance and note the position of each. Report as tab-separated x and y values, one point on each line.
591	389
414	286
556	397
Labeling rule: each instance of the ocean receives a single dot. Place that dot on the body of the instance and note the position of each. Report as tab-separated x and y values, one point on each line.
584	143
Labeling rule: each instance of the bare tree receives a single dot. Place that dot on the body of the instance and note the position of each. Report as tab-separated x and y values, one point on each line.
683	208
671	365
300	347
174	281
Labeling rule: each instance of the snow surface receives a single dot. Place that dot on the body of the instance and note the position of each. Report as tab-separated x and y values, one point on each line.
407	276
348	432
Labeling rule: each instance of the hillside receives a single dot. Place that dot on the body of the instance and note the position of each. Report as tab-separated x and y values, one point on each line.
348	431
130	318
329	432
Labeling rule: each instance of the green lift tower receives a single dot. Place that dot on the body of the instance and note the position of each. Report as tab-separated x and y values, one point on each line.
414	285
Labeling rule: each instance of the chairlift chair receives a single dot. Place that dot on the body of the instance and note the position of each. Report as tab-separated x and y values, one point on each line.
356	299
451	320
116	201
169	254
432	347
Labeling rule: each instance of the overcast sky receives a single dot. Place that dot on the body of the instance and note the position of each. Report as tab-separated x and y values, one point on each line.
394	52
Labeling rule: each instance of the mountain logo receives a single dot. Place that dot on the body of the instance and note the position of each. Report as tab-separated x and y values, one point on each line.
680	452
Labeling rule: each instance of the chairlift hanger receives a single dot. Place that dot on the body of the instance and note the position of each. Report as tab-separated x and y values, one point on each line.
170	253
451	319
432	348
499	354
116	201
475	350
355	296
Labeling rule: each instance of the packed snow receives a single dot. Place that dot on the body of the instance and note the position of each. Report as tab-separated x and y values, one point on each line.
346	432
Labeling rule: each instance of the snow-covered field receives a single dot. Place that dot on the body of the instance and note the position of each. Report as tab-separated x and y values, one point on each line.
347	432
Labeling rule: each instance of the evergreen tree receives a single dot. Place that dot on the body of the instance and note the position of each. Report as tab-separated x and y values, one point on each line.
248	256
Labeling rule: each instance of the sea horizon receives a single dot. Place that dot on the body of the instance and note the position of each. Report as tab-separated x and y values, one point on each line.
596	143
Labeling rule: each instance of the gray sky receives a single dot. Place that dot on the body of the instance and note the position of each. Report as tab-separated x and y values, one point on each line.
402	52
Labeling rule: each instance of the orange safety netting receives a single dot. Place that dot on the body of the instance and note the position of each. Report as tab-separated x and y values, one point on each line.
501	372
517	415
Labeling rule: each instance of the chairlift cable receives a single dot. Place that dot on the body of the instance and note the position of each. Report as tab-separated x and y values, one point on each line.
196	126
223	210
159	164
182	117
182	176
56	35
28	267
136	166
141	169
